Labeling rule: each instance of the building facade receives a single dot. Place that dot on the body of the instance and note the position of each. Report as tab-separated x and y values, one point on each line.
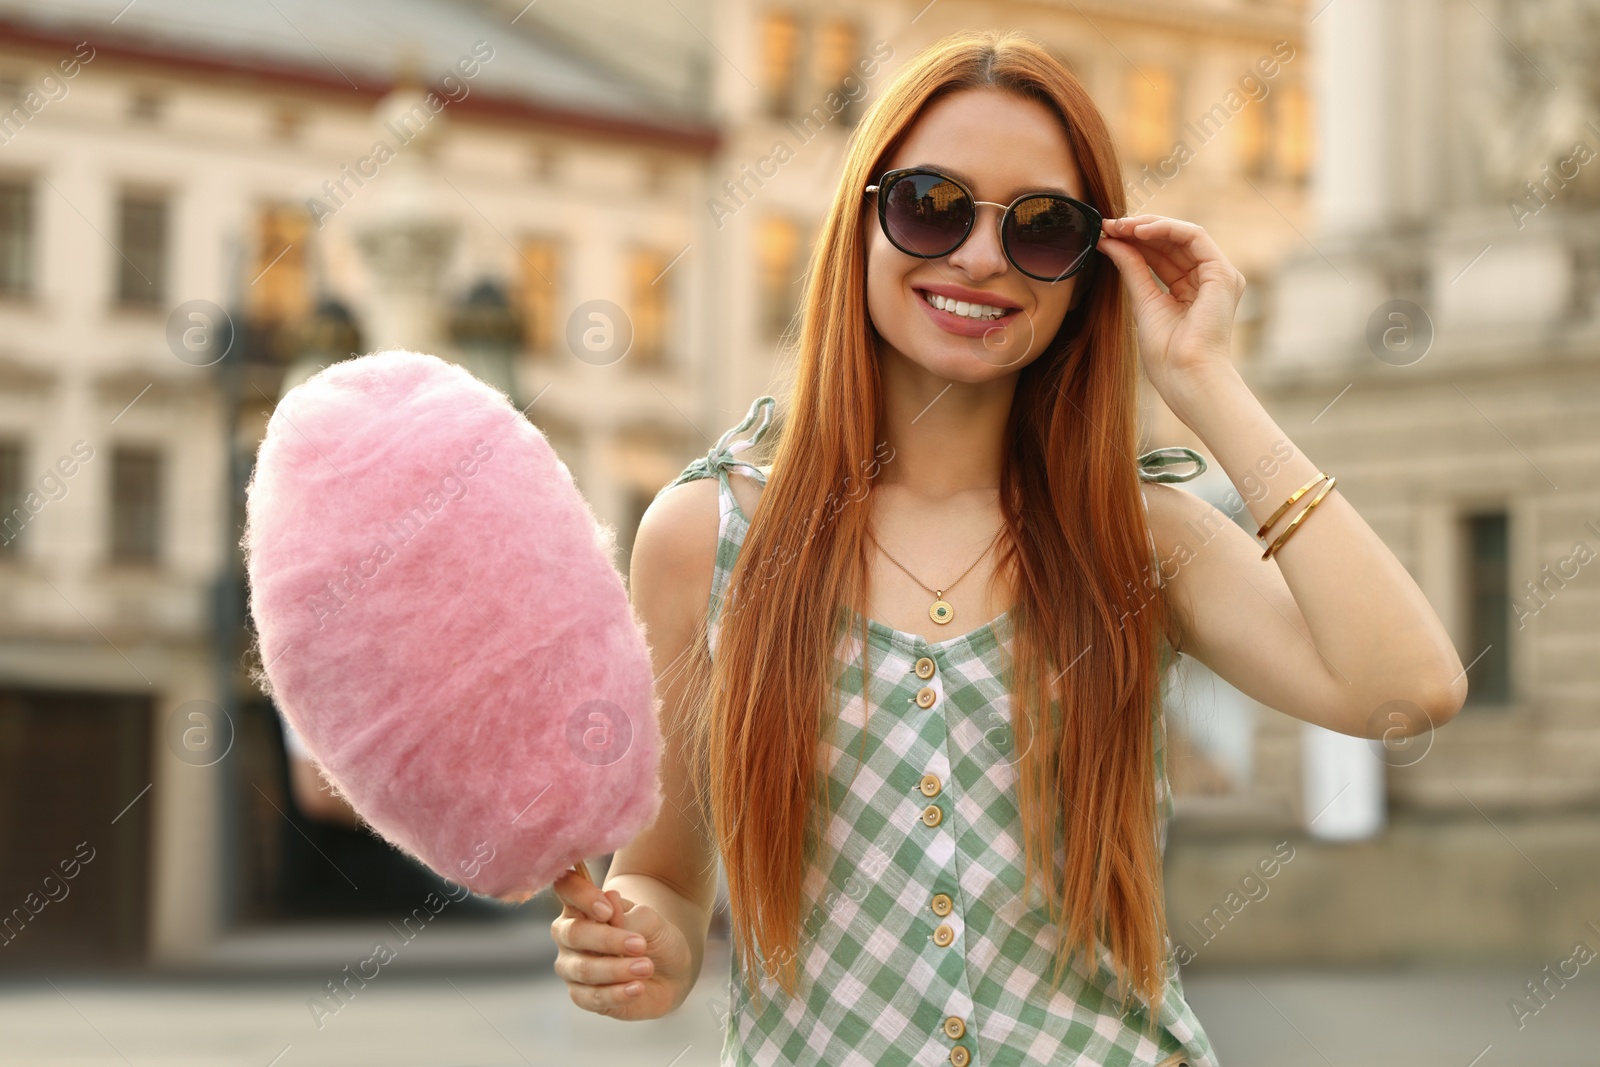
608	213
199	209
1434	342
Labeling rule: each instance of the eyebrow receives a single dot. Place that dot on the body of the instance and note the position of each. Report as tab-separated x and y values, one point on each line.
968	179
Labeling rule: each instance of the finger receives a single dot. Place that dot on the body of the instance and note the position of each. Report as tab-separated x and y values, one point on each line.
1187	242
1174	275
1191	285
1135	271
1164	224
1183	255
1171	262
589	968
604	999
583	895
587	935
645	922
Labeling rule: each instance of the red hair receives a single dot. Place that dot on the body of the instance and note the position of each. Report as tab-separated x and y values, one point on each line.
1068	466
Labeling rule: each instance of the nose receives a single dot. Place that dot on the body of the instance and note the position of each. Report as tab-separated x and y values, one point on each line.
981	255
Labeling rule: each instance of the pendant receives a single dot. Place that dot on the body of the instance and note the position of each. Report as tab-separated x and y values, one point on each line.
941	612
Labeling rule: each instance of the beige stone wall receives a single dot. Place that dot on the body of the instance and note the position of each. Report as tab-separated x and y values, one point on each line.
73	367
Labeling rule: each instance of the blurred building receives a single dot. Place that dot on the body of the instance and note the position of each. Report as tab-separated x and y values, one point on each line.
1435	342
198	207
608	216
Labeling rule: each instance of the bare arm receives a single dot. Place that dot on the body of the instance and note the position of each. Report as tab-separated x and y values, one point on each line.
665	879
674	861
1331	629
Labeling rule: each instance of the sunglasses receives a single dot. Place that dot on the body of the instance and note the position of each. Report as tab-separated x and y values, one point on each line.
928	214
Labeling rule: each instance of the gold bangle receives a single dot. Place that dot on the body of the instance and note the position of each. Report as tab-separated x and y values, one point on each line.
1287	530
1296	495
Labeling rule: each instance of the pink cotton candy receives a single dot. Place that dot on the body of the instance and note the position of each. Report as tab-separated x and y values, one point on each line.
440	618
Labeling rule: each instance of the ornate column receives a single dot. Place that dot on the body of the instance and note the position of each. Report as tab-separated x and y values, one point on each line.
1342	778
404	236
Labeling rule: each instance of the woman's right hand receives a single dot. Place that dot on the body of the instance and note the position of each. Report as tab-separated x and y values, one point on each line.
630	964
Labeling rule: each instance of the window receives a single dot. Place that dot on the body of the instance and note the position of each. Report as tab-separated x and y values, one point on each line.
14	117
146	106
16	238
838	49
1487	601
780	62
135	505
539	292
277	289
649	286
1250	137
1152	99
287	123
1292	122
13	516
142	248
778	252
548	163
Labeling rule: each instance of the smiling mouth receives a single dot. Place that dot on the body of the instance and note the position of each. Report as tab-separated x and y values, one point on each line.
965	309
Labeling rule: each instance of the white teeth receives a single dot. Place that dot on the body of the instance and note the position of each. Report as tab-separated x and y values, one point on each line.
963	308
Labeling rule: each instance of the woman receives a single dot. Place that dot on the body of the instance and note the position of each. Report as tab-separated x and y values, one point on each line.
944	842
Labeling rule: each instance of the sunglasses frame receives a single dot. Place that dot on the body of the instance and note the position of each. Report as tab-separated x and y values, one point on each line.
1008	211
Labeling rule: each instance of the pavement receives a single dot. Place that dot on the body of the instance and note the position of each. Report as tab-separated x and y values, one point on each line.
441	1016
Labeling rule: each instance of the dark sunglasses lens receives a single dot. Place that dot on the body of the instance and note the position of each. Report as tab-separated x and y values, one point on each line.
1048	236
926	215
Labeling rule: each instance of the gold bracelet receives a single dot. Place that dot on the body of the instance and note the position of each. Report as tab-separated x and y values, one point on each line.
1287	530
1296	495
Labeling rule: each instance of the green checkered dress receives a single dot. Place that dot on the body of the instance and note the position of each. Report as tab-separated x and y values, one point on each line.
916	941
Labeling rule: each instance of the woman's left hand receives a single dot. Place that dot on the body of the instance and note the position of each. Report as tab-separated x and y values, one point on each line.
1185	332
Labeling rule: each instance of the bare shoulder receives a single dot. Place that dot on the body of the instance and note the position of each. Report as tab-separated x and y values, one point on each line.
747	491
674	558
1179	518
675	549
1197	546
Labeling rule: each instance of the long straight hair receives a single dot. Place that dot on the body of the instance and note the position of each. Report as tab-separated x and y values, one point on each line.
1083	660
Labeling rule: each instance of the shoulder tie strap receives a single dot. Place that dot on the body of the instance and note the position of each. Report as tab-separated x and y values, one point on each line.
723	455
1153	463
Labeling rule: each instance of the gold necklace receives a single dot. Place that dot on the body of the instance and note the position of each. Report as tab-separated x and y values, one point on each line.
941	612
